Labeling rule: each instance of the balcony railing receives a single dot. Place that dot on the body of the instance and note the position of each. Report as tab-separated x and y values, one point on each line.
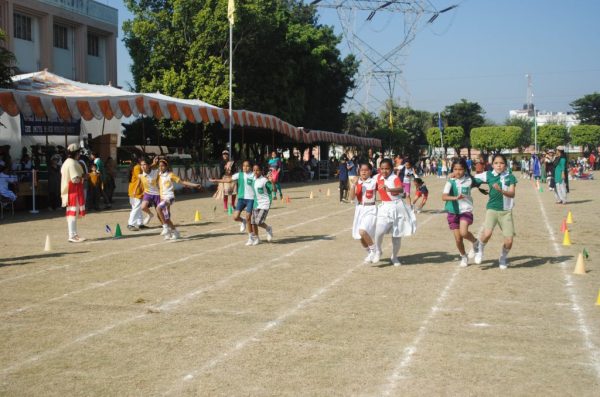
89	8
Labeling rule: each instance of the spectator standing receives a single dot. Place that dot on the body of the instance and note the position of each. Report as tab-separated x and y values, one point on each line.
71	189
343	177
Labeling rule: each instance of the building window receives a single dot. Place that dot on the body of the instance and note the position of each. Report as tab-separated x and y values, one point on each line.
61	37
93	45
22	27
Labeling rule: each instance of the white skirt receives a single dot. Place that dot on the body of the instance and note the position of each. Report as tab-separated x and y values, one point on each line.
365	218
397	214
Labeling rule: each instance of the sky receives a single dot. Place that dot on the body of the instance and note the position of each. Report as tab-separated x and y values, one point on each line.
480	51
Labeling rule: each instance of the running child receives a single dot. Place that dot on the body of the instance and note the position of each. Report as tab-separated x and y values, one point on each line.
502	186
263	190
275	169
166	179
422	193
393	216
459	206
245	201
407	175
151	197
365	214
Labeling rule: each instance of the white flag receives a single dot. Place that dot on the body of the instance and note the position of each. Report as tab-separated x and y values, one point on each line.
231	12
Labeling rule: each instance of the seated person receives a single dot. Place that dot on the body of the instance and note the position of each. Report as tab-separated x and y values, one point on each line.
5	180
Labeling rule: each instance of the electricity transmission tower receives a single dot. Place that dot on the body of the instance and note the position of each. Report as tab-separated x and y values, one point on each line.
380	70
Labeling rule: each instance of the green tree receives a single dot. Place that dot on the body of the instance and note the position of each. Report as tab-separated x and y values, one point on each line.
496	138
587	108
467	115
361	124
585	135
284	62
551	136
7	62
453	137
526	126
413	125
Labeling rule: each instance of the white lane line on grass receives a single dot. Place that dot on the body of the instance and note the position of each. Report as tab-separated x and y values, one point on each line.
271	325
97	285
398	372
133	248
169	305
409	351
570	289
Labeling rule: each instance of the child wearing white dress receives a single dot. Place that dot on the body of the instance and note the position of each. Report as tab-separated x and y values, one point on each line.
365	214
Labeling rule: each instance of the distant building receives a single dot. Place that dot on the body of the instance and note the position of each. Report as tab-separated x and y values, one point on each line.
567	119
76	39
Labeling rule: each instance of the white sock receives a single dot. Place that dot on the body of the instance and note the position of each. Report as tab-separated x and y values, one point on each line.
396	242
481	246
505	251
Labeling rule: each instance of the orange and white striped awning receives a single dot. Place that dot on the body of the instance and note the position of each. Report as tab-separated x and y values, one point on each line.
46	95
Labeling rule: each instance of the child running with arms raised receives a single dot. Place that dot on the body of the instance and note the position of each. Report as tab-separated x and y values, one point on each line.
263	190
459	206
502	186
167	196
245	200
365	215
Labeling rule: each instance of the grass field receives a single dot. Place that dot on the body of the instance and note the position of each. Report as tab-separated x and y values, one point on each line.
208	316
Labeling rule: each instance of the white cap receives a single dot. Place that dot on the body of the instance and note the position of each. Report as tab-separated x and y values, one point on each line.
73	147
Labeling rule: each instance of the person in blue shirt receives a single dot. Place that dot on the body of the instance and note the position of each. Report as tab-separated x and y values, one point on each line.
343	177
352	166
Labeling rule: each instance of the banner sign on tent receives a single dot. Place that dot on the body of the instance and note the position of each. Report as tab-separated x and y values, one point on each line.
31	126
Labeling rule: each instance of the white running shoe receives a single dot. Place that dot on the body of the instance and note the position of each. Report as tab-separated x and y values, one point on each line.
464	261
243	226
165	232
269	233
503	263
473	251
76	239
168	235
478	257
175	235
369	258
250	241
395	261
147	219
376	256
255	241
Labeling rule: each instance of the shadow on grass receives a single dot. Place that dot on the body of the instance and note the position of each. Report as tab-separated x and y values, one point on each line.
421	259
525	261
300	239
27	258
578	202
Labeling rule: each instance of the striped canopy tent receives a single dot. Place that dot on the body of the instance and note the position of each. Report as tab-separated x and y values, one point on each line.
46	95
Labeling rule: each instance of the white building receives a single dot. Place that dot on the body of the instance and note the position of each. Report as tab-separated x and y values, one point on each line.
76	39
567	119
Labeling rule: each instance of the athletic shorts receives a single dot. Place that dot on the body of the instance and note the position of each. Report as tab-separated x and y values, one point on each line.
152	199
455	219
259	216
244	204
406	188
164	207
424	195
504	219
